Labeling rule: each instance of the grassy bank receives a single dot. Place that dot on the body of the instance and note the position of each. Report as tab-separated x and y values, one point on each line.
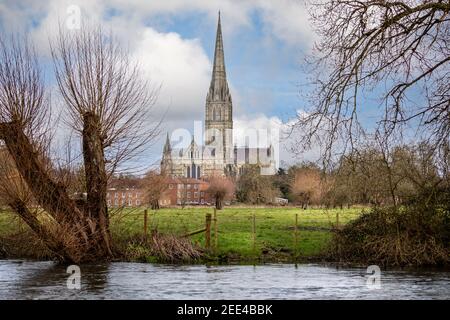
273	240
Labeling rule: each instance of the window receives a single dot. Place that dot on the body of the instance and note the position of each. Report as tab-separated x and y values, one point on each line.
123	194
188	194
188	186
109	203
202	201
138	202
116	194
202	193
196	186
130	202
213	152
195	194
170	186
116	202
216	115
194	171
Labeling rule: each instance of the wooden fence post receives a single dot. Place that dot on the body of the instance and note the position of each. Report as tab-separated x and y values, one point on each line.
208	231
216	235
337	219
145	225
296	236
254	232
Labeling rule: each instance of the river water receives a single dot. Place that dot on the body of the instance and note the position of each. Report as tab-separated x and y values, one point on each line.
46	280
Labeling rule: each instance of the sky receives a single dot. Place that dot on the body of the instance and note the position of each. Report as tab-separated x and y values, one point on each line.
173	40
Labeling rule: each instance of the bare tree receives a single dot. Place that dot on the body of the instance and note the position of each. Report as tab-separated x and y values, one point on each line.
220	189
154	185
400	48
107	104
252	187
306	186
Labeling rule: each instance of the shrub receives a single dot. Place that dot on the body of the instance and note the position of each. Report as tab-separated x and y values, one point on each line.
414	235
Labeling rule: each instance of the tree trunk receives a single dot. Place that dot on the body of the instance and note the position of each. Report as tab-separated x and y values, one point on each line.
219	203
155	205
96	183
87	229
56	245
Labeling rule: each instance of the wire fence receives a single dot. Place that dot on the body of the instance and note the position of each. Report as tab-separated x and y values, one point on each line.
242	231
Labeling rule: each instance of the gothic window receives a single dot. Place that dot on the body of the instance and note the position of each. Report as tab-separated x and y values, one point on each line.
216	114
194	171
188	172
198	172
213	152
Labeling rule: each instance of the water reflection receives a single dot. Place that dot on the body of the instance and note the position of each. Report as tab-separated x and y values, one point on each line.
46	280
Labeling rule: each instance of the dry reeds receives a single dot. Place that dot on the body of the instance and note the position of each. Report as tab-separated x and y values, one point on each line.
170	248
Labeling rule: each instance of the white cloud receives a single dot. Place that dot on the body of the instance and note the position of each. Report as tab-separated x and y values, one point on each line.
289	21
282	143
182	68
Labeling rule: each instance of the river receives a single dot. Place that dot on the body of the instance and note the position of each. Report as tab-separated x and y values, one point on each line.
21	279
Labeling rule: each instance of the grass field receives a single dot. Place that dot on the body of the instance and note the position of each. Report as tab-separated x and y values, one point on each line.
274	236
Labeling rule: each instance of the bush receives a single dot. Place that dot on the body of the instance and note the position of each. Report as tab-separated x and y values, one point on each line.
414	235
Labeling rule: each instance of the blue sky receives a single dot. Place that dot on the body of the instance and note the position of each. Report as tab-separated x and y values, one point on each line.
264	43
174	39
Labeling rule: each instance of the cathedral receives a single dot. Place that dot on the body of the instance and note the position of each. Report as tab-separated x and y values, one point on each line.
218	155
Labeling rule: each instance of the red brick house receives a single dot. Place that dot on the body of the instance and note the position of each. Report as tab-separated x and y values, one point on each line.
124	197
187	191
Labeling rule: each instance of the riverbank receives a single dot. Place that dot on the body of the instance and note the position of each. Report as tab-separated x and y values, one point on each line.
244	235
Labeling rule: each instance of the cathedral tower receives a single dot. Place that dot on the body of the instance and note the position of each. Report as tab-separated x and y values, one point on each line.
166	161
219	109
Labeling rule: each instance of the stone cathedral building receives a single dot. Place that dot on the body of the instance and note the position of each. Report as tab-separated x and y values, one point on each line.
218	155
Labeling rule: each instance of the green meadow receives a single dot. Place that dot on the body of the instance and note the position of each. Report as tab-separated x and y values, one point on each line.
274	238
243	234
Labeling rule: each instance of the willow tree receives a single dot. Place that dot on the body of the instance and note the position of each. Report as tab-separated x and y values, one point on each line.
105	101
397	51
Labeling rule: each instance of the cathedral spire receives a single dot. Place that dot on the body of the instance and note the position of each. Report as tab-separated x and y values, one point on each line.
166	161
218	90
167	148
